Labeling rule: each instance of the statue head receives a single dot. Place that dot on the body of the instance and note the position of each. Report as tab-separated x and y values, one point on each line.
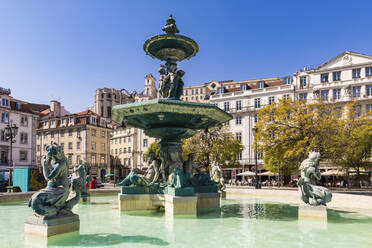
161	70
54	151
180	73
314	156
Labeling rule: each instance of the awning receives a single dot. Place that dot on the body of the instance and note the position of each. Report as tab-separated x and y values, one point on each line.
247	173
333	173
268	173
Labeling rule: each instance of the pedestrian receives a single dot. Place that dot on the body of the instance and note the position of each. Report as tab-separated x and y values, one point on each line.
93	183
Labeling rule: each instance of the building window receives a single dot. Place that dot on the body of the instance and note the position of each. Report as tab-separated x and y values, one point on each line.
24	121
70	132
129	140
192	91
286	97
4	117
5	102
358	110
368	108
129	161
145	142
227	123
103	159
303	96
336	76
336	94
62	133
356	73
261	84
324	95
103	147
239	157
78	159
324	77
196	91
125	150
71	120
24	138
238	136
63	121
238	120
62	146
369	90
70	145
287	80
196	98
78	145
93	132
94	161
53	122
257	102
243	87
226	106
368	71
220	90
238	105
52	134
255	118
356	91
70	158
303	82
103	134
78	132
271	99
201	91
93	145
23	156
129	149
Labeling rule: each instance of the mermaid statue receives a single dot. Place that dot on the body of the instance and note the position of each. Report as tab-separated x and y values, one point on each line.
52	200
311	193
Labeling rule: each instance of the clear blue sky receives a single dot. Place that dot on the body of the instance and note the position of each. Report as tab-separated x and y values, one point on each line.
66	49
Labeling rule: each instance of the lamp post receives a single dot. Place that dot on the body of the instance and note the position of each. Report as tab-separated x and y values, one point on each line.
11	131
256	160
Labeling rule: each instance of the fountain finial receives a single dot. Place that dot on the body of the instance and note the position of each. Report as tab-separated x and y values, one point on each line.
170	27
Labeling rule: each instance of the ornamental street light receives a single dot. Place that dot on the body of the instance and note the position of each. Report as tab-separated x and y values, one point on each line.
256	160
11	131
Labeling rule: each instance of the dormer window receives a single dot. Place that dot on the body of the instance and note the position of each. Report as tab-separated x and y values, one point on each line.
243	87
5	102
324	77
45	123
71	120
53	122
287	80
303	82
93	120
63	121
18	106
220	90
261	84
102	122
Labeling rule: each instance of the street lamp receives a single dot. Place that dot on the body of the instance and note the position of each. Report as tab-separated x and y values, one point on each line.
256	161
11	131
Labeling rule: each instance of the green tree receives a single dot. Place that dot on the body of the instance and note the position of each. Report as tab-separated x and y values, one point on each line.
217	145
155	148
352	145
286	131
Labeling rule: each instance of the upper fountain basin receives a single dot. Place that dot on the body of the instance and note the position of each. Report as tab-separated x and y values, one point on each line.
170	47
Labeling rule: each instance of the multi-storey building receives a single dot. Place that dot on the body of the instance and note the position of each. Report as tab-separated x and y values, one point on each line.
106	98
21	114
242	101
127	145
346	77
84	136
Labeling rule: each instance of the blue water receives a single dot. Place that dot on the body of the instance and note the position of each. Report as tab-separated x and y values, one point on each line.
242	222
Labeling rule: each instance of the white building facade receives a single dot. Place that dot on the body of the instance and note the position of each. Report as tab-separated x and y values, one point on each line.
13	111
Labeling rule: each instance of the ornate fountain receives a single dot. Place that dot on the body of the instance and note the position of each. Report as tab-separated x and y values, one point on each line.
169	119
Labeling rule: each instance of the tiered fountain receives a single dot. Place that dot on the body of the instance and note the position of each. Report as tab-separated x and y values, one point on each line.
170	182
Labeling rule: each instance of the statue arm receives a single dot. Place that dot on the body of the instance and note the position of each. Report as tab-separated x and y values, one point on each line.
157	173
53	173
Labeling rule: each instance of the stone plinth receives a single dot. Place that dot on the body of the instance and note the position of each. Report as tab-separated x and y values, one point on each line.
208	201
133	202
186	191
180	205
312	212
46	227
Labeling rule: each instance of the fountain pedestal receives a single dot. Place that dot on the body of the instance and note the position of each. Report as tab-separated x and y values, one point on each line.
306	211
46	227
180	205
